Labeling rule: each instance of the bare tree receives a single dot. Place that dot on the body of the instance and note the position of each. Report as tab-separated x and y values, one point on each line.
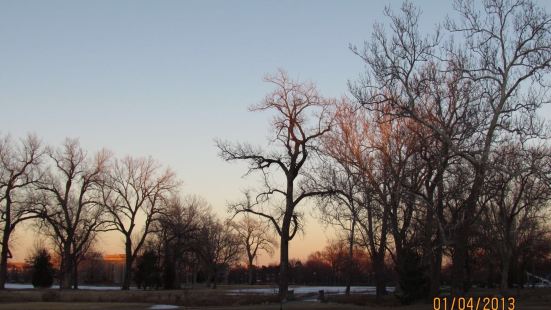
70	208
19	170
255	237
217	246
378	169
176	232
341	210
517	193
339	175
301	118
136	188
509	55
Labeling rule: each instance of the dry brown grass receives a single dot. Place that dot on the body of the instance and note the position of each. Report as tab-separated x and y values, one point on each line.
527	299
195	297
72	306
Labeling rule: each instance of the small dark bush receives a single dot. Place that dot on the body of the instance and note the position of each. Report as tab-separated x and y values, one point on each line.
42	269
413	283
148	274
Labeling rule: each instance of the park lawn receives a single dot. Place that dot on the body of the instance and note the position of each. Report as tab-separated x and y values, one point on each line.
138	306
201	298
289	306
73	306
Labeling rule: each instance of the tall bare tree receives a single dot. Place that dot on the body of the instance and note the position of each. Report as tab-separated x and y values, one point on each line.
509	55
338	174
300	119
19	170
70	209
136	188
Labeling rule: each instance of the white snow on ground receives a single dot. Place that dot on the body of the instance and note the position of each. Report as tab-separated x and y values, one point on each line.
263	291
312	289
19	286
163	307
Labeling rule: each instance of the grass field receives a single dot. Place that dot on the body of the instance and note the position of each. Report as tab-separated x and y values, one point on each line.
200	298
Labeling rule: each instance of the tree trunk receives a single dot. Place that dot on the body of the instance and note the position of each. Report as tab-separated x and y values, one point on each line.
5	249
435	272
380	283
66	266
505	266
460	274
283	268
177	278
75	275
459	258
350	259
66	282
213	278
251	271
128	266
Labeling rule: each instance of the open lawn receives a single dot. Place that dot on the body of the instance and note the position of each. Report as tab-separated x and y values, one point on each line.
127	306
223	298
73	306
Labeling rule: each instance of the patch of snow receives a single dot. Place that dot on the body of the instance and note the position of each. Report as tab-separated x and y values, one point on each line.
98	287
312	289
163	307
19	286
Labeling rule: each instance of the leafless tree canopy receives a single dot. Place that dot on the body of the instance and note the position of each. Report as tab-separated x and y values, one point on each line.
472	96
70	206
19	171
136	187
301	117
255	237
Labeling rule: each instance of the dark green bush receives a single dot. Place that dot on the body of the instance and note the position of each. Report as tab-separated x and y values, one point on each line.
413	283
42	269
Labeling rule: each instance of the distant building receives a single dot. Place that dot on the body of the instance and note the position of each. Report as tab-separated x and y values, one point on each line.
19	272
114	267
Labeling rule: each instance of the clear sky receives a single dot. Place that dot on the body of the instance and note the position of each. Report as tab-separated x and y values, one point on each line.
164	78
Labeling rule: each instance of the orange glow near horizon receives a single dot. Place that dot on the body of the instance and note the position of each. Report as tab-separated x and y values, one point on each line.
111	244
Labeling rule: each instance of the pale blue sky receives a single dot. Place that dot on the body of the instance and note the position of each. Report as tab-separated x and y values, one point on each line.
164	78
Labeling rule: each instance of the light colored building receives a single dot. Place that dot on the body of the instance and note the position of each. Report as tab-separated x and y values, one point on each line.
114	267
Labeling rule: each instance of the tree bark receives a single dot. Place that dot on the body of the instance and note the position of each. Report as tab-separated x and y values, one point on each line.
380	283
350	258
435	272
75	275
283	268
505	266
5	245
67	268
459	258
250	272
128	266
213	278
4	260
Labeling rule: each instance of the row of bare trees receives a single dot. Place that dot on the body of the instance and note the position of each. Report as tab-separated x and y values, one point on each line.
473	99
441	144
72	196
